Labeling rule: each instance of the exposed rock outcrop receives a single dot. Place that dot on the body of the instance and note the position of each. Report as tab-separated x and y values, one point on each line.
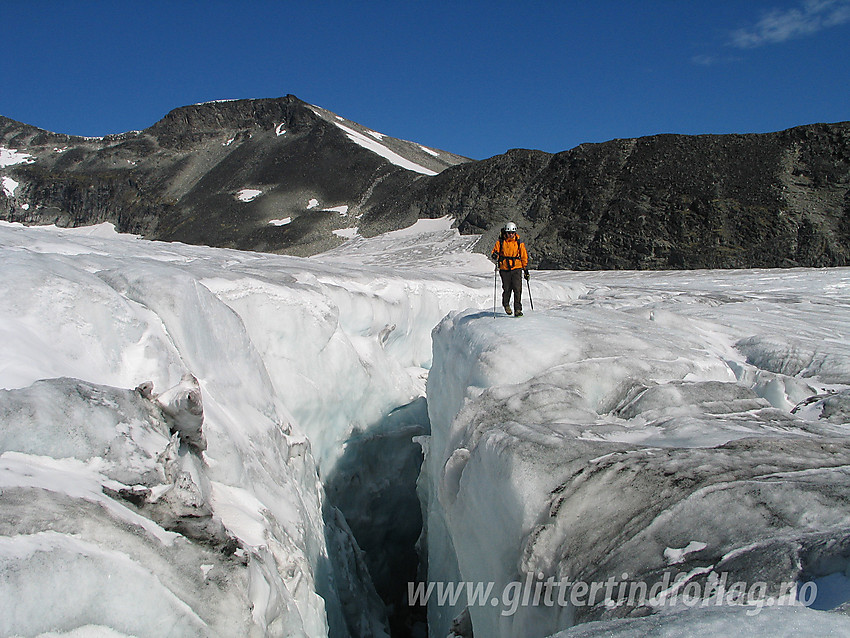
667	201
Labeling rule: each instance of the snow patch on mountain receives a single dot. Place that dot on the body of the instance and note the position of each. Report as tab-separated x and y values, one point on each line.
11	157
248	194
371	140
9	185
342	210
347	233
383	151
421	227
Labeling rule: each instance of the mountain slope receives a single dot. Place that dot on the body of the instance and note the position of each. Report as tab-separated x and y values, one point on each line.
667	201
280	175
250	174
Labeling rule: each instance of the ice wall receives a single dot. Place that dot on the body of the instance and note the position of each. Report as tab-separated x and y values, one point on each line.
105	523
292	362
644	430
75	311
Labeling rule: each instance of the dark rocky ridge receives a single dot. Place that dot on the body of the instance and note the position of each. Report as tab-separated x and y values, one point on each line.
666	201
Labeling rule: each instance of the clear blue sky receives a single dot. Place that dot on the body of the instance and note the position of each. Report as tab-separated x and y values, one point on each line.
476	78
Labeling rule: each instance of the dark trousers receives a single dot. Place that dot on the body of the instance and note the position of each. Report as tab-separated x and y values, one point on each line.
512	283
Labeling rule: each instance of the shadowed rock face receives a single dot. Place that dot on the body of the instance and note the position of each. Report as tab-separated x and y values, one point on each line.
220	173
667	201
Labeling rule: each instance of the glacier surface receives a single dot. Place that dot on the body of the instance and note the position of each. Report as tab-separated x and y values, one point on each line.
205	442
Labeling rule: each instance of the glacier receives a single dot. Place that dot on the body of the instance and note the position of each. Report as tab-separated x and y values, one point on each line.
207	442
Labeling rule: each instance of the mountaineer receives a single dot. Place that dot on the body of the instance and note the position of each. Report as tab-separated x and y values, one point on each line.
512	259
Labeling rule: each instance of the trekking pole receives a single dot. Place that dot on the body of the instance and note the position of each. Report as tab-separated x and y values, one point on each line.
528	285
495	288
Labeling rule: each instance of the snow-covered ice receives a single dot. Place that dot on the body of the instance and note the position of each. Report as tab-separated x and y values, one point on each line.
728	622
292	358
212	429
643	430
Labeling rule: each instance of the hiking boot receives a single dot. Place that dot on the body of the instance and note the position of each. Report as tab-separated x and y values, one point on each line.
519	313
508	309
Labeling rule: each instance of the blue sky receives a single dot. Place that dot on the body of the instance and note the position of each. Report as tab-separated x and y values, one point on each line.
475	78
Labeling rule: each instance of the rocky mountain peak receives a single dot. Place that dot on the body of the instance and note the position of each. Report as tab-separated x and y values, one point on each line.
273	174
193	123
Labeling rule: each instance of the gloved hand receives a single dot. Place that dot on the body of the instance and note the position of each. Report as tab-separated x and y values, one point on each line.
525	272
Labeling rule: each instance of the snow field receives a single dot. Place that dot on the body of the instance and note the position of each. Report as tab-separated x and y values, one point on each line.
9	186
248	194
634	422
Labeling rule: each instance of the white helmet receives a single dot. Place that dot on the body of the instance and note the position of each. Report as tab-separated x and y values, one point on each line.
510	227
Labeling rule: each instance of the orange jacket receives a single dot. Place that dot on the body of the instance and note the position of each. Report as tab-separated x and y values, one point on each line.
511	253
